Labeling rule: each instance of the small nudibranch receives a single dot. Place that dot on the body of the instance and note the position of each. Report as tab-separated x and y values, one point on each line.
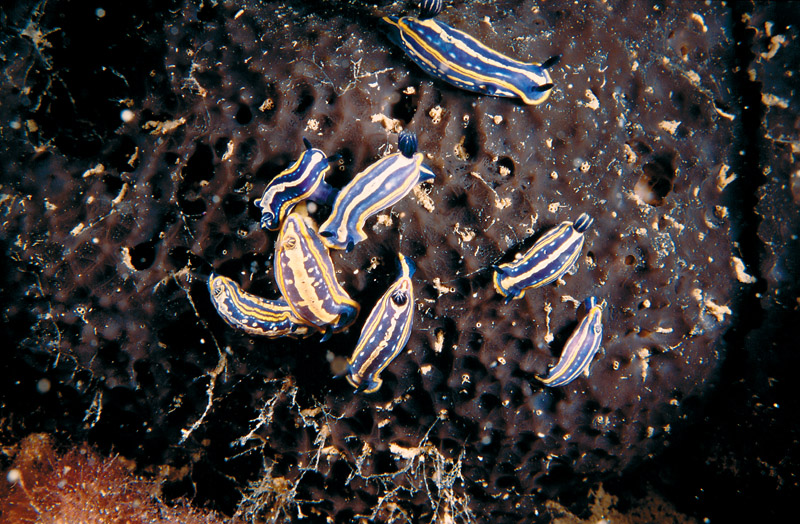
581	347
385	332
252	314
305	275
461	60
549	258
379	186
302	180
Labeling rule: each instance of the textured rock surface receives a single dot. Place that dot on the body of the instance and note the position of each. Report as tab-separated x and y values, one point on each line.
107	220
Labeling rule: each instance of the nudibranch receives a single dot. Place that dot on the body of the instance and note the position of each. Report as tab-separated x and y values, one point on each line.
581	347
379	186
461	60
252	314
549	258
305	275
385	332
305	179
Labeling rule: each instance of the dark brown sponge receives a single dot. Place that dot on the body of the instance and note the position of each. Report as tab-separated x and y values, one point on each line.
109	223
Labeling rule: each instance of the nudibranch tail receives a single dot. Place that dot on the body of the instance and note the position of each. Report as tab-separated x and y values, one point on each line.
306	277
252	314
581	347
545	262
385	333
381	185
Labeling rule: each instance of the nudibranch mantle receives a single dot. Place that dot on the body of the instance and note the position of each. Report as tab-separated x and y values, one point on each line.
381	185
305	275
461	60
581	347
252	314
385	332
545	262
305	179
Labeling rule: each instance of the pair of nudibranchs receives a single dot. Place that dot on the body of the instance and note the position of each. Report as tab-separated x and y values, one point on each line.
312	299
545	262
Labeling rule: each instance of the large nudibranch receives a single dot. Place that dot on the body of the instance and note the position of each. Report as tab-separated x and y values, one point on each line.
461	60
385	332
305	275
379	186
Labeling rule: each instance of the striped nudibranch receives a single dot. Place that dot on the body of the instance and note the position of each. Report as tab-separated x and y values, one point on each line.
305	275
302	180
461	60
549	258
252	314
581	347
385	332
379	186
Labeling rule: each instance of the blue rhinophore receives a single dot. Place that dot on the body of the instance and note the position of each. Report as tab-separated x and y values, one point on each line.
429	8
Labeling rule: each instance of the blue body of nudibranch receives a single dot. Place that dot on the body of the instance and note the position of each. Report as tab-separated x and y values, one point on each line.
385	332
252	314
305	275
549	258
305	179
461	60
581	347
379	186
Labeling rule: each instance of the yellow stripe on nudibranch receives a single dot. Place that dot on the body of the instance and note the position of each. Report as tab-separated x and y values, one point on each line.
385	333
581	347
